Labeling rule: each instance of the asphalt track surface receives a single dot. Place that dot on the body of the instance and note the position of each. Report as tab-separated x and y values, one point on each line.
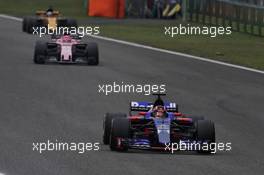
41	102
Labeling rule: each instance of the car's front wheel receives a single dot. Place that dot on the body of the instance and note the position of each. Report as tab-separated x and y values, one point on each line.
92	54
25	24
40	52
107	125
205	134
119	132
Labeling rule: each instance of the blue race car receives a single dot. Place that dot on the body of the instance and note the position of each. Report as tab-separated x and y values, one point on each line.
157	125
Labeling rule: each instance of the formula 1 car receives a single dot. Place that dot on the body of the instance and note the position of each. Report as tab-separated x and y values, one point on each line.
66	49
155	126
49	19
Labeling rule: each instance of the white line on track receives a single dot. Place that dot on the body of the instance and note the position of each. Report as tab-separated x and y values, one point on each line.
158	50
178	54
2	174
10	17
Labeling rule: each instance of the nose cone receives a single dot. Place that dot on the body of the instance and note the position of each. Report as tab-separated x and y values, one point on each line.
164	137
163	129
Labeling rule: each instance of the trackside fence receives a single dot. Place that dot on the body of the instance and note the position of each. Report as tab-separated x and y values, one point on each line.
240	15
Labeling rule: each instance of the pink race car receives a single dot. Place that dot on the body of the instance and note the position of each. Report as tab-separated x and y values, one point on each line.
66	49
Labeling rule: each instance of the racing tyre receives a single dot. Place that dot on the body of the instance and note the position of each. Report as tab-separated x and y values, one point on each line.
120	130
25	24
205	133
72	23
32	22
29	24
40	52
92	54
61	23
108	124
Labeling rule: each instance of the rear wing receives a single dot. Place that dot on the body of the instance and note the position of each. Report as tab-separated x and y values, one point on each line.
140	106
146	106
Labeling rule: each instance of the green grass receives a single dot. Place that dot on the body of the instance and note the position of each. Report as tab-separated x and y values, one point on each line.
73	8
238	48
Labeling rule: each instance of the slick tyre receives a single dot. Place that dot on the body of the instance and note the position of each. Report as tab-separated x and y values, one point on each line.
120	130
29	24
25	24
62	23
205	133
107	125
72	23
92	54
32	22
40	52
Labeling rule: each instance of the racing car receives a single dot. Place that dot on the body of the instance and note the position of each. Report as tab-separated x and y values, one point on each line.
66	48
48	18
154	126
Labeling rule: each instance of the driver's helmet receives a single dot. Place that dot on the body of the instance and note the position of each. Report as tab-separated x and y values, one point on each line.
159	112
49	13
66	38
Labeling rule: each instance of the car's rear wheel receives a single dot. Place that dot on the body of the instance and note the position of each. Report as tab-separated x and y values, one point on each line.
119	131
40	52
107	125
25	24
29	24
92	54
32	23
72	23
62	22
205	134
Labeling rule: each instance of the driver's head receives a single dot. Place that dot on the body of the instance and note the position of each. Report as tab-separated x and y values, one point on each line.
66	38
49	13
159	111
